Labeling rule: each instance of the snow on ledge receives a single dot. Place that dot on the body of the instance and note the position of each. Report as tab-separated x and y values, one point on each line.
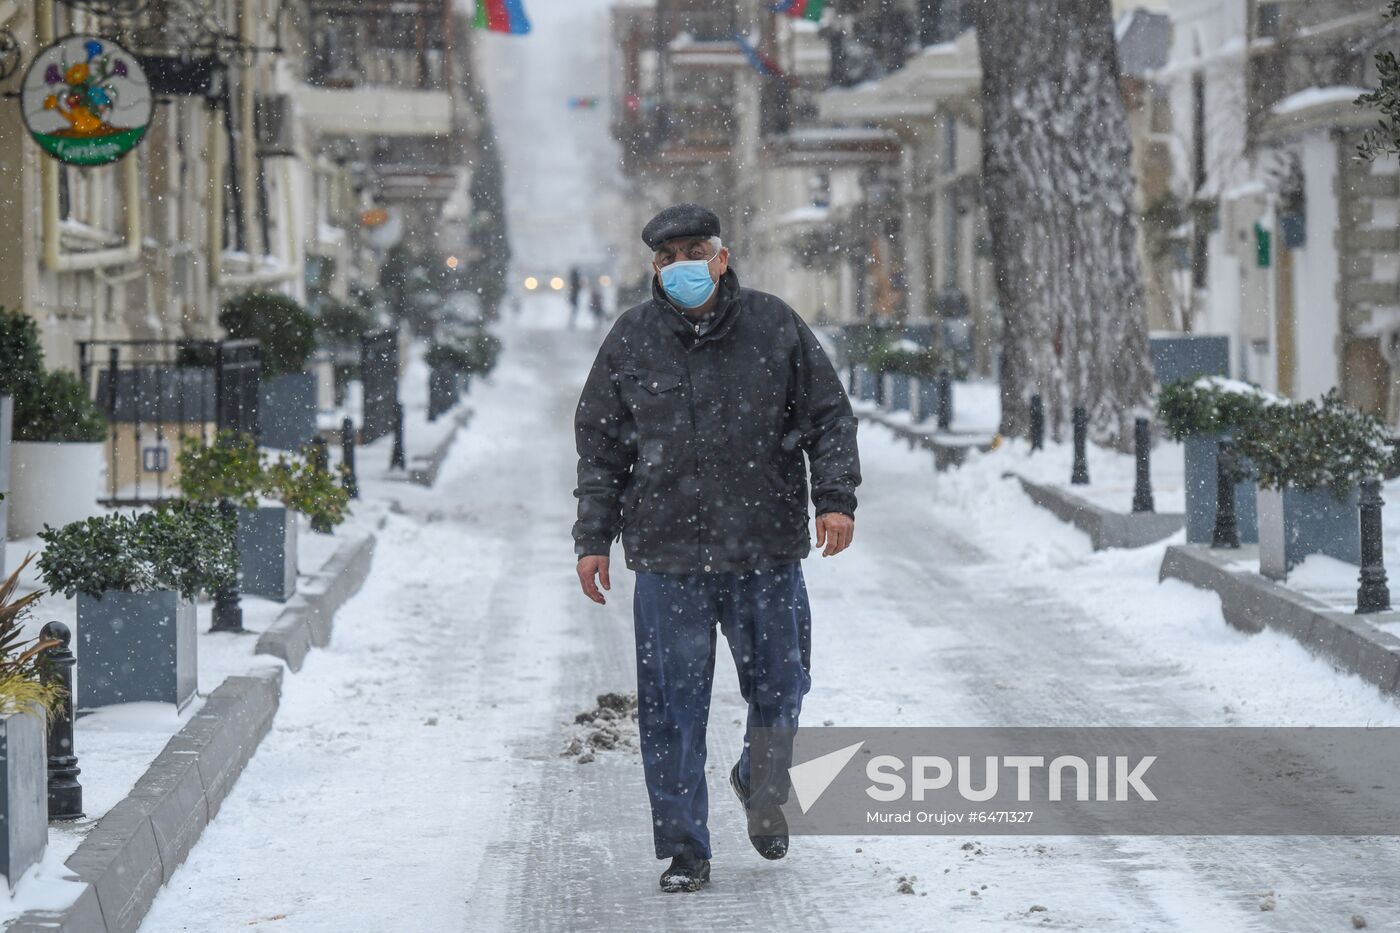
1316	97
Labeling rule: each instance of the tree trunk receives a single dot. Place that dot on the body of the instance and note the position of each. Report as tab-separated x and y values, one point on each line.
1058	188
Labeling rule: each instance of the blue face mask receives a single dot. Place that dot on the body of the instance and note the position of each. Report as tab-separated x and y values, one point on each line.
688	283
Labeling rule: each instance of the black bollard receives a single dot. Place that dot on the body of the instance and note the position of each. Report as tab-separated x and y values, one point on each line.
1142	484
65	793
228	606
1037	422
945	400
347	457
1372	595
1226	533
321	463
396	457
1079	474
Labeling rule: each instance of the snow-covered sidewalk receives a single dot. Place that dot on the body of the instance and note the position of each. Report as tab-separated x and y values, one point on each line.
413	778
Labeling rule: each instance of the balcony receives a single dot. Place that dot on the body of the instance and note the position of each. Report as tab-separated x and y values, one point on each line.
377	67
696	133
929	81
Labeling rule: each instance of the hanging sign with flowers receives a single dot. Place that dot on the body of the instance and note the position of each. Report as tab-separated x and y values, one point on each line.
86	101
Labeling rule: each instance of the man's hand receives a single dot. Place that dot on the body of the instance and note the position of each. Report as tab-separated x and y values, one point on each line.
835	530
588	567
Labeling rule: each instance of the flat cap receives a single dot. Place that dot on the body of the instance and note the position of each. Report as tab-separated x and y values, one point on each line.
677	221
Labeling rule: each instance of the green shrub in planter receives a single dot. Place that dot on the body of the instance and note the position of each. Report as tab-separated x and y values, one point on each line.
452	357
21	357
344	322
188	549
1210	405
286	329
314	493
1314	445
57	408
230	468
475	352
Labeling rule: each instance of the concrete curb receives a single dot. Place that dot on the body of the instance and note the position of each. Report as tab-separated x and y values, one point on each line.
949	448
308	618
1252	602
425	470
1106	529
138	845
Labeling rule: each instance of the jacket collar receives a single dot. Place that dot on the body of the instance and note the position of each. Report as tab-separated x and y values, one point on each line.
713	325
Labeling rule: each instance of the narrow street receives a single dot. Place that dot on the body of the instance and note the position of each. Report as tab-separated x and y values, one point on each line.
413	779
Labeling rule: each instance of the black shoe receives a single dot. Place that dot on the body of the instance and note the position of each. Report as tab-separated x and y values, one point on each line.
768	829
687	873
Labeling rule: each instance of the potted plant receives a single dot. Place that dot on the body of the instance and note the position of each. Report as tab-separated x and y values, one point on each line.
25	702
231	469
1308	458
21	364
136	578
287	331
57	454
897	365
1200	413
302	485
870	376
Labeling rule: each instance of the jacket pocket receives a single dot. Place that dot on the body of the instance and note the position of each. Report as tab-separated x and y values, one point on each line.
653	381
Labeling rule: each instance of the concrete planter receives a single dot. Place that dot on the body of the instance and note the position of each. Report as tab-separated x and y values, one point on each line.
1200	456
867	385
24	793
925	400
7	419
1295	523
135	646
267	552
287	411
53	483
897	392
444	391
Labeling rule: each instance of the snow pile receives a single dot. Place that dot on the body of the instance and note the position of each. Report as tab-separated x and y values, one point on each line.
609	726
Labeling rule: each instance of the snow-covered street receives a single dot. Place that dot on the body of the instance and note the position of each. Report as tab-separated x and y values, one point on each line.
413	779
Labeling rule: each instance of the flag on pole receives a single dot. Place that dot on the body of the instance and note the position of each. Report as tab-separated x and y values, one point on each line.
801	9
502	16
758	61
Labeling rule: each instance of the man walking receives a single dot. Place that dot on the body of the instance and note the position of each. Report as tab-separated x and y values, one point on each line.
691	432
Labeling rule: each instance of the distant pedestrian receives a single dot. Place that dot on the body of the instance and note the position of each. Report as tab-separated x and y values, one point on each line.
595	305
575	286
692	430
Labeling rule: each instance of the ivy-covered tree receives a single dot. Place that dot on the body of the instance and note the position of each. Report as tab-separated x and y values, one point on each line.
1384	137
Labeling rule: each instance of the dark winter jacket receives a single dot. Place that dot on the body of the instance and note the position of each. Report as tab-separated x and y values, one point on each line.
691	437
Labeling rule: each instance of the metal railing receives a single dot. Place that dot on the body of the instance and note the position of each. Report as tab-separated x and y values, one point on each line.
158	393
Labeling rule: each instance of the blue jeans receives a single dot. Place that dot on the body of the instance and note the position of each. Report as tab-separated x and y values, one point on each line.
767	621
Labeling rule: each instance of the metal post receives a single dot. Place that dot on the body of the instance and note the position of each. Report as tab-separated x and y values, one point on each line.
1372	595
347	457
65	793
228	607
321	463
1079	474
1142	484
945	400
1226	533
396	457
1037	422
